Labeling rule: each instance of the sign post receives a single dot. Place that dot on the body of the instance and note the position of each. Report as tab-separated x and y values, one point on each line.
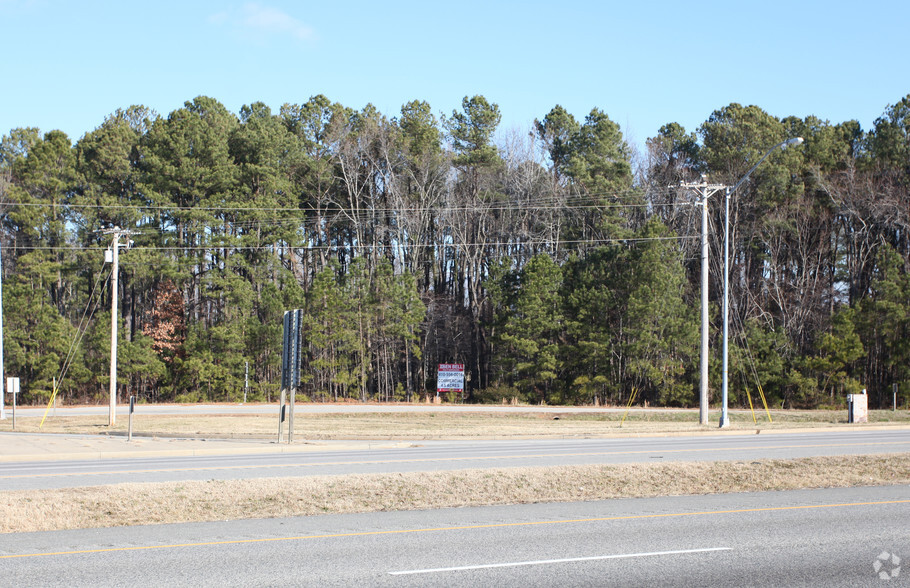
281	409
290	366
450	378
12	387
132	408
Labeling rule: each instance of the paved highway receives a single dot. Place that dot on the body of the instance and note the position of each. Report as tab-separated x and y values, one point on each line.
450	455
830	537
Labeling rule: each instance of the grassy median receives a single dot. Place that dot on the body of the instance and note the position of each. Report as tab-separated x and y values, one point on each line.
197	501
443	424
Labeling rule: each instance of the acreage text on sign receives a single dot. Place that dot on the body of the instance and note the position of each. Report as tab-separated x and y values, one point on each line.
450	377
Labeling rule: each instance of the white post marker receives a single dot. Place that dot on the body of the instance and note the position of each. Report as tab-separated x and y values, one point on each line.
12	387
129	436
281	410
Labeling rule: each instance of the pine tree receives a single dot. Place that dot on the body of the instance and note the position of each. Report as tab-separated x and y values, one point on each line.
528	341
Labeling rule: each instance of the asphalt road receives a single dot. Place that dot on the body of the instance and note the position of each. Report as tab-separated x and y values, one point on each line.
449	455
830	537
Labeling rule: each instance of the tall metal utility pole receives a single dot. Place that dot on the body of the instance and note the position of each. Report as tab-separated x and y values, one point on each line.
724	417
704	190
117	232
2	381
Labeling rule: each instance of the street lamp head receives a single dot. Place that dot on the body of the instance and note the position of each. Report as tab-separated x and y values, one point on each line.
792	142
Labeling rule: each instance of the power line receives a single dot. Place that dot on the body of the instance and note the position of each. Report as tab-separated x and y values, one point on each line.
370	246
557	202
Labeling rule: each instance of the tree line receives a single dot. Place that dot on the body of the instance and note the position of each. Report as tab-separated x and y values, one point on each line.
560	265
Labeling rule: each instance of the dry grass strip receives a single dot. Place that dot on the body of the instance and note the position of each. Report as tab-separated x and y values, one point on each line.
440	424
196	501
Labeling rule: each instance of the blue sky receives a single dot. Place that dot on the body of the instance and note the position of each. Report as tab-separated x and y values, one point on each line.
67	65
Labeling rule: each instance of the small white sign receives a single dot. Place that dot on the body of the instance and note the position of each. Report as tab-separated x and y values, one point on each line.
12	385
450	377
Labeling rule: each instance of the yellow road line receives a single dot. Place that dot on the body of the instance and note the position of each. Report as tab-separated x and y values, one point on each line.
459	528
444	459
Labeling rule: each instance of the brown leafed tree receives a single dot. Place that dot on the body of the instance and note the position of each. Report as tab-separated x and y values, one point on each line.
166	321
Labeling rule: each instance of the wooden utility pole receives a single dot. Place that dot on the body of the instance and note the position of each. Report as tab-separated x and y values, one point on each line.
115	273
115	293
704	190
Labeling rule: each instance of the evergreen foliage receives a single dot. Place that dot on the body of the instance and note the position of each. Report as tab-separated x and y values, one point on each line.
559	266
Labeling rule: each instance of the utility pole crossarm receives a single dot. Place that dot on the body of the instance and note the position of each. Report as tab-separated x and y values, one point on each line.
703	190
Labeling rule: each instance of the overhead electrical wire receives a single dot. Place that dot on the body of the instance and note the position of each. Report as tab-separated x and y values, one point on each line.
333	213
348	246
538	203
81	329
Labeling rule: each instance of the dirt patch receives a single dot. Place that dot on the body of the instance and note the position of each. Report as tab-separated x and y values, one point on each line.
197	501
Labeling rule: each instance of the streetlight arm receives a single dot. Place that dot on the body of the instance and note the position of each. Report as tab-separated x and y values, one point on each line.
781	145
